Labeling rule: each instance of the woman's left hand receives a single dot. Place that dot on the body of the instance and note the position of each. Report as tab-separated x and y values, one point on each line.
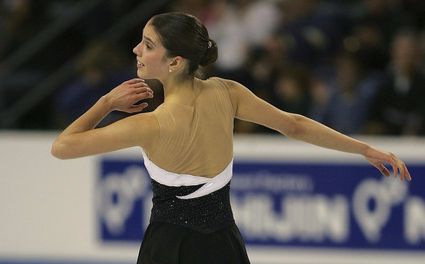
379	158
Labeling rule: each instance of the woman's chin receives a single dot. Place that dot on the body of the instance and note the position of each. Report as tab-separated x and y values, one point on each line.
142	74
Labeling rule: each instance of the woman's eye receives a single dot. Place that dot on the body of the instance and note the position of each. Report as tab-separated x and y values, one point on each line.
148	46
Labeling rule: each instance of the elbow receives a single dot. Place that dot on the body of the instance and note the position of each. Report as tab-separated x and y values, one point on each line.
294	127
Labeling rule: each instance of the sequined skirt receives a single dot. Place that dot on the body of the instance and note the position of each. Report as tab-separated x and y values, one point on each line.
205	214
193	231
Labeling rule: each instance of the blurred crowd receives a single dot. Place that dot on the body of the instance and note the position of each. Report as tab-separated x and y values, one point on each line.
356	66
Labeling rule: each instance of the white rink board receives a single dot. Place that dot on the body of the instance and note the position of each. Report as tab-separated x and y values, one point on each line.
47	205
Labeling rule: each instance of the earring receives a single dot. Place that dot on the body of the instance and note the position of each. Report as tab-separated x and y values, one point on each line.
170	70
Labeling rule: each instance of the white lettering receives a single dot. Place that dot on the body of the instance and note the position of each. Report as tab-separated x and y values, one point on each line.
126	188
384	194
414	220
304	217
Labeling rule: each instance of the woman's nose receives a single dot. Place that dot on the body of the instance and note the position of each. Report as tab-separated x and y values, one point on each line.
137	50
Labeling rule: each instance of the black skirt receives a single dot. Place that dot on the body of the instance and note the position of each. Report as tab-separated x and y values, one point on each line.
166	243
193	231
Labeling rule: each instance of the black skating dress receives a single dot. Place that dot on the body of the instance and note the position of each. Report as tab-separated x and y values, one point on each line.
191	220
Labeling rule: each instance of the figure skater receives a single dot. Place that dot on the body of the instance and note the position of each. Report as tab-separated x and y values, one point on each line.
187	142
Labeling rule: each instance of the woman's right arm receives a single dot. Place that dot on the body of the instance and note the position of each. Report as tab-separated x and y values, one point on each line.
82	138
251	108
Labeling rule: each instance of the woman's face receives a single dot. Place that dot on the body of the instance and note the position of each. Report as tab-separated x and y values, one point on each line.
152	62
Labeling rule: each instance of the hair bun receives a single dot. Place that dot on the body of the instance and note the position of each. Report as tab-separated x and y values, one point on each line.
210	55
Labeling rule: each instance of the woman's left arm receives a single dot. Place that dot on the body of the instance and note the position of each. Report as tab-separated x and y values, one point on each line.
82	139
251	108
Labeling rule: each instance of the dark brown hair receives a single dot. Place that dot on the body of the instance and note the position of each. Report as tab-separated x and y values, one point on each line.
184	35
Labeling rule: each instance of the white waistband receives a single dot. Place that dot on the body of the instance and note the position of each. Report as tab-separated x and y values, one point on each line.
176	179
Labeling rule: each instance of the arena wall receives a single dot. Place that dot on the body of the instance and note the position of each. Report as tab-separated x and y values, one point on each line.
293	202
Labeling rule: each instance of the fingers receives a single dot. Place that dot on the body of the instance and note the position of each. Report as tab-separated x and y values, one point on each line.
407	172
126	96
140	91
143	90
384	170
404	172
393	162
141	87
377	158
399	168
139	84
136	84
135	80
137	108
142	95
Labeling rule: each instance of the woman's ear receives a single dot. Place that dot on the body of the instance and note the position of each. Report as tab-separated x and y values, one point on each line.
177	63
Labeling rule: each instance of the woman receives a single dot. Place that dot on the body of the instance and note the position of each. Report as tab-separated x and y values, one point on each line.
187	142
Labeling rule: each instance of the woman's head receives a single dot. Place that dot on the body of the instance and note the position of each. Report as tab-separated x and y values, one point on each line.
174	42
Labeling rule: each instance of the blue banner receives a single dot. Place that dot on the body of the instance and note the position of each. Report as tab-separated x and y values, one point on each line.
286	204
123	200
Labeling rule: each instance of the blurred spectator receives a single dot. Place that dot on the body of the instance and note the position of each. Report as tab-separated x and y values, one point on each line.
270	46
260	20
413	13
373	24
343	103
19	21
291	90
238	26
100	69
370	45
313	30
13	16
225	28
197	8
422	51
262	72
320	97
385	15
399	107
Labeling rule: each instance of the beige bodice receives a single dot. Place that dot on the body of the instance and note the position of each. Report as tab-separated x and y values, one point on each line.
196	139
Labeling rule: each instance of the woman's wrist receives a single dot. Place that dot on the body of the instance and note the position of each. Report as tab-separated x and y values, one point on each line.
365	150
106	102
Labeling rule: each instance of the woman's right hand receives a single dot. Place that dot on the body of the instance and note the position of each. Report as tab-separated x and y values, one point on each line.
125	97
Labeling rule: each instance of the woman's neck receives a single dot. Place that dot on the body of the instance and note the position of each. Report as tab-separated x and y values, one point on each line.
180	91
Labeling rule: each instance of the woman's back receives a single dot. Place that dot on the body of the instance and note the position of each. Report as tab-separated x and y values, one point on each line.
196	139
